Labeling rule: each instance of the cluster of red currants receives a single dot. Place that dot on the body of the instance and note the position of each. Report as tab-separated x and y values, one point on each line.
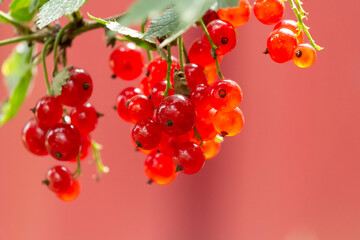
179	130
65	136
285	42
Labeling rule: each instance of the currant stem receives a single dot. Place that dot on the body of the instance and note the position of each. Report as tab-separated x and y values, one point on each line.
78	171
302	26
185	53
181	44
301	10
169	62
198	137
101	168
22	28
213	48
143	30
56	44
49	41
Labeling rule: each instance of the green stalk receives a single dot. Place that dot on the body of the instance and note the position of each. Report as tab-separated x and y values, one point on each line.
185	53
22	28
143	31
169	62
56	44
44	64
17	39
181	53
101	168
78	171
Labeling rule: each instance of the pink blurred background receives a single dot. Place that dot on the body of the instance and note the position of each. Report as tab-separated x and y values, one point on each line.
292	173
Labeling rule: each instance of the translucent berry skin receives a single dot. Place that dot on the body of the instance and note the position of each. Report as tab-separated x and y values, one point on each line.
304	55
200	53
176	115
237	16
145	86
127	61
195	75
210	148
291	25
158	69
84	118
209	16
269	11
281	44
72	193
200	98
211	72
228	123
63	141
160	168
140	107
85	145
77	89
190	157
204	125
223	34
58	179
122	102
168	143
33	137
48	111
157	93
225	95
146	134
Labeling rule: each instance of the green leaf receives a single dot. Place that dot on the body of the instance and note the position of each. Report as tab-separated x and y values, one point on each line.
36	4
164	25
18	72
59	80
227	3
20	10
54	9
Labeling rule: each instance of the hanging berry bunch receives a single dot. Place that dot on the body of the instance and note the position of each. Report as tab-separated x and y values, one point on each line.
181	110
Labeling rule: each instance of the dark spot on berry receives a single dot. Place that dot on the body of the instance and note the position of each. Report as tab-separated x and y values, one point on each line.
150	181
224	40
113	76
179	168
158	151
114	107
222	93
33	110
86	85
266	51
298	53
46	182
127	103
138	144
223	134
169	123
58	155
148	73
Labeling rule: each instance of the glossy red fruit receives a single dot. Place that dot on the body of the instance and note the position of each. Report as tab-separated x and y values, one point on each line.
127	61
33	137
63	141
228	123
85	146
281	45
237	16
210	148
209	16
200	97
157	93
195	75
176	115
200	53
145	86
293	26
146	134
158	69
160	168
84	118
77	89
269	11
225	95
168	143
140	107
58	179
223	34
48	111
72	193
190	157
122	101
204	125
304	55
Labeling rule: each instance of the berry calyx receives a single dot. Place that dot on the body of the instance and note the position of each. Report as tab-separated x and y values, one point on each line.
84	118
160	168
48	111
146	134
190	157
58	179
223	34
237	16
33	137
281	44
269	11
304	55
225	95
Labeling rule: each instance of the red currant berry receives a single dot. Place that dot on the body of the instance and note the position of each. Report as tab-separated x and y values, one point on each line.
229	123
85	146
160	168
145	86
176	115
63	141
269	11
281	45
72	193
140	107
204	125
237	16
48	111
168	143
200	53
211	72
122	101
127	61
223	34
225	95
33	137
157	92
195	75
210	148
293	26
200	97
58	179
190	157
77	89
304	55
210	16
84	118
158	69
146	134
